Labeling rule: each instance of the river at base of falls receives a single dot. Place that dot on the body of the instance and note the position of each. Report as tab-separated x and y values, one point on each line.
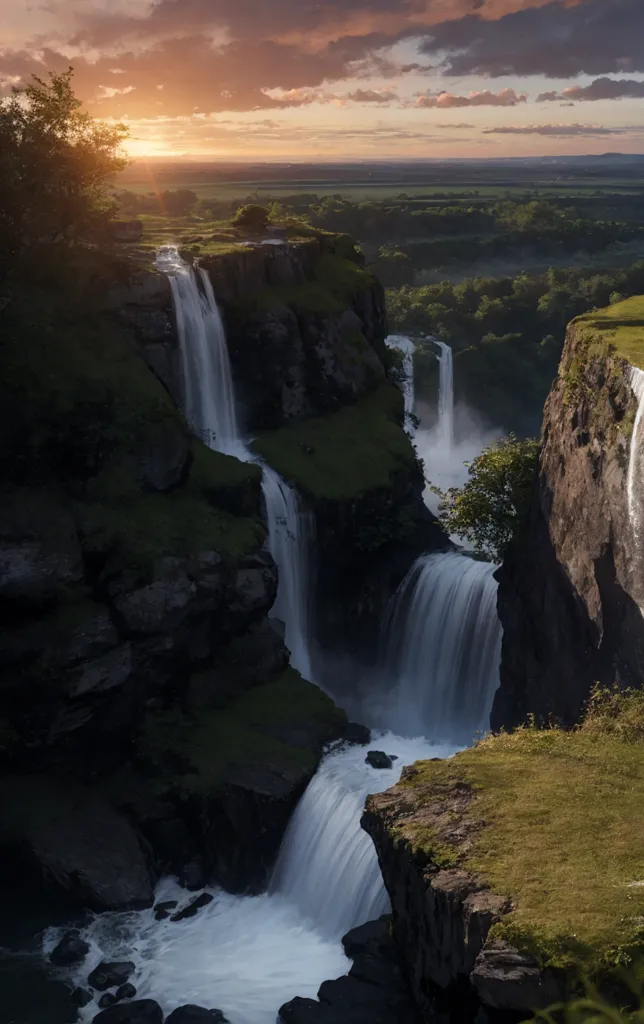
247	956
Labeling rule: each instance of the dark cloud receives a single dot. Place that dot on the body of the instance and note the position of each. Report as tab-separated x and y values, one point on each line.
600	89
558	40
485	98
557	130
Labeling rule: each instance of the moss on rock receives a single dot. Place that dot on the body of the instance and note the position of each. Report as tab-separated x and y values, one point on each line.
553	820
345	454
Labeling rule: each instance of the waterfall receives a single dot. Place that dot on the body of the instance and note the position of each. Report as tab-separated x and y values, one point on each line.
290	537
445	395
210	409
635	480
444	648
209	399
399	343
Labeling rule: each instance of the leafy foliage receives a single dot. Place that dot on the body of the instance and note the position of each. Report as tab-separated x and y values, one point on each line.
487	508
252	216
55	165
593	1008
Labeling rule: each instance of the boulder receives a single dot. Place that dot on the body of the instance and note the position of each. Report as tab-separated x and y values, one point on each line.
74	843
111	974
81	997
107	999
106	673
360	735
370	939
161	605
378	759
162	910
141	1011
126	991
195	1015
193	907
70	950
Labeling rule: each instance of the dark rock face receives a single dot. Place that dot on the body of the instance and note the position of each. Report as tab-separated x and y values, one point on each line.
141	1011
59	829
81	997
570	587
374	991
110	975
195	1015
70	950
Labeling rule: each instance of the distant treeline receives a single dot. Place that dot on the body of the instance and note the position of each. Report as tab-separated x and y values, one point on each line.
508	333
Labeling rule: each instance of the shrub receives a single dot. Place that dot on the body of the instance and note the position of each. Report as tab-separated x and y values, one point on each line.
252	216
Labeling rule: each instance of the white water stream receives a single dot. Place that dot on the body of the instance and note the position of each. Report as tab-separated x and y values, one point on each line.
249	955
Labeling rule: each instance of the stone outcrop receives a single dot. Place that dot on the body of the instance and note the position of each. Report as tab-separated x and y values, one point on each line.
572	584
442	912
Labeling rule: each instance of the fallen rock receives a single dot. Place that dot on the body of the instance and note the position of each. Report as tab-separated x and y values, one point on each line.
74	843
162	910
141	1011
126	991
111	974
70	950
304	1011
378	759
193	907
196	1015
81	997
107	999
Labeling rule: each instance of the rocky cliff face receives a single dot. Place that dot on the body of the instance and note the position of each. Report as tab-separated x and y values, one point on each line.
572	585
305	326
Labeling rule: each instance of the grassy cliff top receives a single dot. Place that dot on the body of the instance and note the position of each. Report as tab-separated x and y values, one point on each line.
555	821
343	455
621	325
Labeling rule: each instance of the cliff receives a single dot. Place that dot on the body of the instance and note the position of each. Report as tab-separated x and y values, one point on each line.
572	585
513	867
146	695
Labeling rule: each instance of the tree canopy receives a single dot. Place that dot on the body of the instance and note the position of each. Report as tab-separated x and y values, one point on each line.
56	162
488	507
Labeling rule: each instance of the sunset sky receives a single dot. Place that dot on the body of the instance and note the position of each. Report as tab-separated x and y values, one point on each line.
343	79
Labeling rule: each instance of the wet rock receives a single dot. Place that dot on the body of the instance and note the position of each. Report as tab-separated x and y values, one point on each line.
162	910
81	997
358	1001
61	829
107	999
304	1011
70	950
141	1011
370	939
111	974
193	875
378	759
196	1015
126	991
358	734
193	907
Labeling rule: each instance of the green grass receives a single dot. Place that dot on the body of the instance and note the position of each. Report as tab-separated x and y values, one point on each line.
621	326
558	826
355	450
246	732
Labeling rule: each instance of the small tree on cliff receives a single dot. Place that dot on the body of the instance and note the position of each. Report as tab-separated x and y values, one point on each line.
56	162
252	217
488	507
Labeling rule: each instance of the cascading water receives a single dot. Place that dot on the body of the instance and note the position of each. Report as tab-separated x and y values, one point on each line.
210	409
635	480
444	648
399	343
209	399
248	955
445	396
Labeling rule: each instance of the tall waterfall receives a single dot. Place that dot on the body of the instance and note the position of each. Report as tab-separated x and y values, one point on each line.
210	409
209	398
635	481
445	395
444	649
